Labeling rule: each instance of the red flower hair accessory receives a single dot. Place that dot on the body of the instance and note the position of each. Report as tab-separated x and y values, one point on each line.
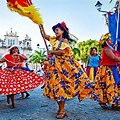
63	24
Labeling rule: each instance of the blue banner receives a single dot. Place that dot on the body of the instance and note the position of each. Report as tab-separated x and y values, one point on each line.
112	24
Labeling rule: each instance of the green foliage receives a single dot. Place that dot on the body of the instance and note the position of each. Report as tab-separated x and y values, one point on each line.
85	46
37	57
75	50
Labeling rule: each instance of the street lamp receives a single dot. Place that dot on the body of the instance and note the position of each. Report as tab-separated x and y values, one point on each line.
38	46
98	6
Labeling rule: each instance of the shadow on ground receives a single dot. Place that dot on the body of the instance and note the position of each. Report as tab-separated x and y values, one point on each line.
38	107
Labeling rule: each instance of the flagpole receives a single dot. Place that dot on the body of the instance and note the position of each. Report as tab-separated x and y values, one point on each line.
43	37
117	29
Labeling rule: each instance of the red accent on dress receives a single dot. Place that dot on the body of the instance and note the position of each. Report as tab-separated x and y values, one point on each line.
105	59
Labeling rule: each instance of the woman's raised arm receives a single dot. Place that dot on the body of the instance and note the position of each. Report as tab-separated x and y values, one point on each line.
44	35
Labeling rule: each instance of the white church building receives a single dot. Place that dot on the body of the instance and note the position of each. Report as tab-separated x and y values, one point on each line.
13	39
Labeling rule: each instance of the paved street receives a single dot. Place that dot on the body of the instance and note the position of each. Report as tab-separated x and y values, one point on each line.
37	107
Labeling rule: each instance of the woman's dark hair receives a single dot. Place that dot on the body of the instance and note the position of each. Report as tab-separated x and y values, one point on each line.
11	51
66	34
104	45
91	49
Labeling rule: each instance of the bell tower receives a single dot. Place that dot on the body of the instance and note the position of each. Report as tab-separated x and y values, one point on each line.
11	39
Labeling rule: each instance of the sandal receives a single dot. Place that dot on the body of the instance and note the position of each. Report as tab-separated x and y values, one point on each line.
61	115
104	106
27	95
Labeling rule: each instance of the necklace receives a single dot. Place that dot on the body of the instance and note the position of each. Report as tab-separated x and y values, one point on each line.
16	64
16	60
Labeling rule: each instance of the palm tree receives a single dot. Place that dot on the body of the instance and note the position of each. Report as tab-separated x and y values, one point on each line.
37	57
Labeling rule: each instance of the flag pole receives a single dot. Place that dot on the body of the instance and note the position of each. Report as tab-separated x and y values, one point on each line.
117	29
43	38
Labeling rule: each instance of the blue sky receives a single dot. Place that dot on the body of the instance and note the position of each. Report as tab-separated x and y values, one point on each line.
81	17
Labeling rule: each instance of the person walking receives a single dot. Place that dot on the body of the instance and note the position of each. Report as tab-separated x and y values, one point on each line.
14	79
93	63
107	80
64	77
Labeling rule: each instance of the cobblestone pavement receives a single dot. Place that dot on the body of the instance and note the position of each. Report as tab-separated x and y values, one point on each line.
38	107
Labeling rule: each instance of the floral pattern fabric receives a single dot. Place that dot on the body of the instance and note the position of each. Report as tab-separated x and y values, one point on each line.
64	77
106	91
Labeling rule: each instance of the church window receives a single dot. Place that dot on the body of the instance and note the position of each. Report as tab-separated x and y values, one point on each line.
9	42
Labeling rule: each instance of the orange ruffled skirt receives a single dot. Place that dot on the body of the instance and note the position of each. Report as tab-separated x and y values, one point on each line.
106	90
65	79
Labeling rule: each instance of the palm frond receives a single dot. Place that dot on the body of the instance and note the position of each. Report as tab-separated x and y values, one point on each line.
37	57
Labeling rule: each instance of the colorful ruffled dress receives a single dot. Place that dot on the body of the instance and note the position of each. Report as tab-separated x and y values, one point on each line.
107	87
14	79
64	77
92	67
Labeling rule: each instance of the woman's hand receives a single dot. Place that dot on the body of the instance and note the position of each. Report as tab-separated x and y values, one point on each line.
15	54
56	52
50	52
44	35
23	56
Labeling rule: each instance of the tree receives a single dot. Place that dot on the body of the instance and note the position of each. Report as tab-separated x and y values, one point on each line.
84	48
37	57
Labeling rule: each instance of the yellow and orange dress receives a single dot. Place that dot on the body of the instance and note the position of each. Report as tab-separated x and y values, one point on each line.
107	82
64	77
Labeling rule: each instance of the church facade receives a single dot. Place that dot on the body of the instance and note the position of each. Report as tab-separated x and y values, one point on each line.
12	38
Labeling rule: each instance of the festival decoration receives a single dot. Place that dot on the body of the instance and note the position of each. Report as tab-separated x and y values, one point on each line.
112	18
104	38
25	8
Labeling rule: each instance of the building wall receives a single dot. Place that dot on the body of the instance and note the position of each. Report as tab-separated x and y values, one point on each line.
13	39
